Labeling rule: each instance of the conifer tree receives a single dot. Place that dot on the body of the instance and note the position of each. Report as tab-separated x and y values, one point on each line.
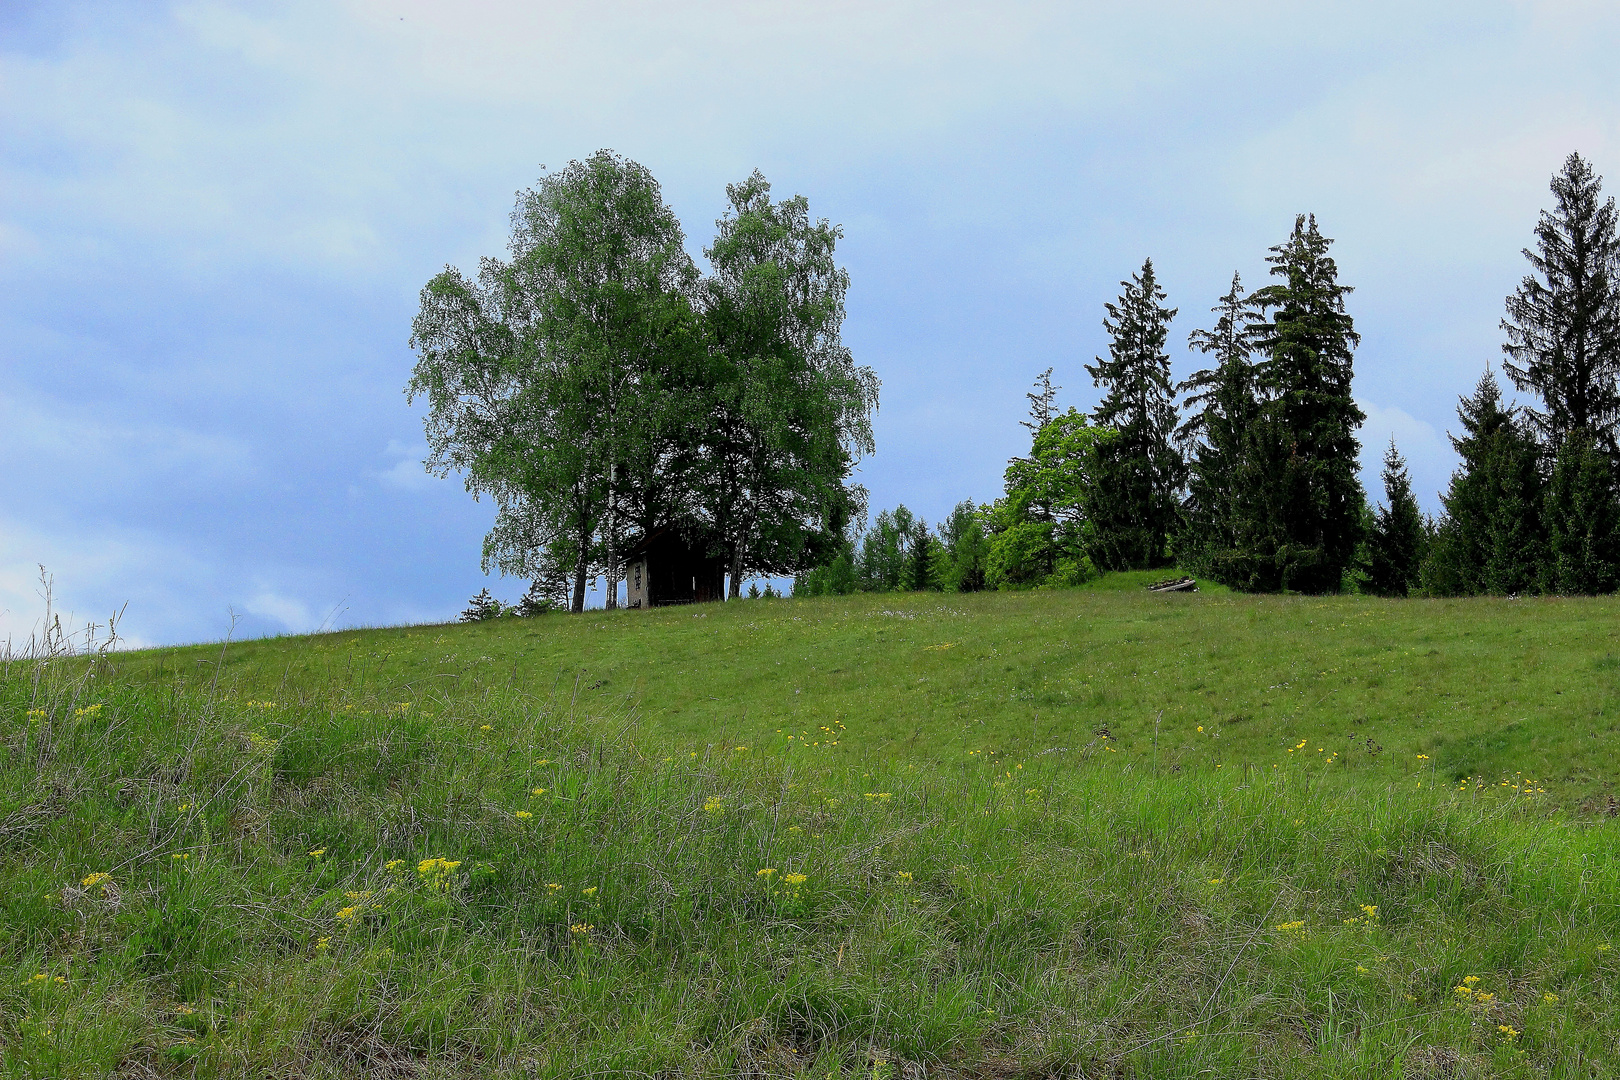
920	547
1224	405
1563	324
1142	468
1583	520
1302	520
1490	538
1399	534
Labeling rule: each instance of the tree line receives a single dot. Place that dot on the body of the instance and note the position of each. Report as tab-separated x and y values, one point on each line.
1247	472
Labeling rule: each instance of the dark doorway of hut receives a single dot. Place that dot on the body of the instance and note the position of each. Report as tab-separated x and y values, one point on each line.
667	568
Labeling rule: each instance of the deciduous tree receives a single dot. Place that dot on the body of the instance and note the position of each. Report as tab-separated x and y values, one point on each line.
788	411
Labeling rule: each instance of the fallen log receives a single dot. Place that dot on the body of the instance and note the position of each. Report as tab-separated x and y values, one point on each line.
1183	584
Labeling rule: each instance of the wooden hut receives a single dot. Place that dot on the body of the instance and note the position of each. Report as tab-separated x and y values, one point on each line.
666	568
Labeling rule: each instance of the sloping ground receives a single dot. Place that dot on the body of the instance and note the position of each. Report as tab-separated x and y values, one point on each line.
348	859
1488	689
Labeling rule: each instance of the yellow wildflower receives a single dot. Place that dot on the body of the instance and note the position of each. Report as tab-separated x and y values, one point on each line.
1549	999
581	928
322	943
795	879
96	879
590	891
523	815
348	914
765	873
317	852
538	791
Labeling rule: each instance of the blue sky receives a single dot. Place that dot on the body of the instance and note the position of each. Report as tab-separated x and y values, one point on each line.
215	219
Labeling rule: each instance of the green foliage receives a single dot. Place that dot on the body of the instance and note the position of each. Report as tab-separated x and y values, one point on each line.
1563	321
884	565
482	607
1300	508
994	863
961	561
1021	555
1491	537
546	377
1044	519
1140	472
1223	404
836	577
786	409
1583	519
1398	538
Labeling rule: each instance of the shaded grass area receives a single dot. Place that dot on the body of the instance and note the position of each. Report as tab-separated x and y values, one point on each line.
1483	688
504	882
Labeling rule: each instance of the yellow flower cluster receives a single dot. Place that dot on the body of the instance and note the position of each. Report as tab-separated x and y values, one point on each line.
581	928
437	873
523	815
44	978
713	804
36	714
98	878
1294	929
827	736
89	711
879	796
1468	991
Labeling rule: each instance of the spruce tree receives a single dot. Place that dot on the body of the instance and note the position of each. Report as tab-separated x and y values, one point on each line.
1583	520
1303	502
1224	404
1142	467
1490	538
1398	537
1563	324
919	557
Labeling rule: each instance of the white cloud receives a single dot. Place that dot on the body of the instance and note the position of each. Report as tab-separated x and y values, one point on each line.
1429	457
293	614
407	474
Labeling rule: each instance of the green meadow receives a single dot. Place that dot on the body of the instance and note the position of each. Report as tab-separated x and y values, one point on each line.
1081	833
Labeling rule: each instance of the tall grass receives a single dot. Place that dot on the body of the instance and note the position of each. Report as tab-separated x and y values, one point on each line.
506	883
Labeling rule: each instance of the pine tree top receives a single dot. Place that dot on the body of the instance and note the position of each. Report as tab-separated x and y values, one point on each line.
1563	321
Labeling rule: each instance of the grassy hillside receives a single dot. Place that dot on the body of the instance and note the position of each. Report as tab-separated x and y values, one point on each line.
581	847
1485	688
